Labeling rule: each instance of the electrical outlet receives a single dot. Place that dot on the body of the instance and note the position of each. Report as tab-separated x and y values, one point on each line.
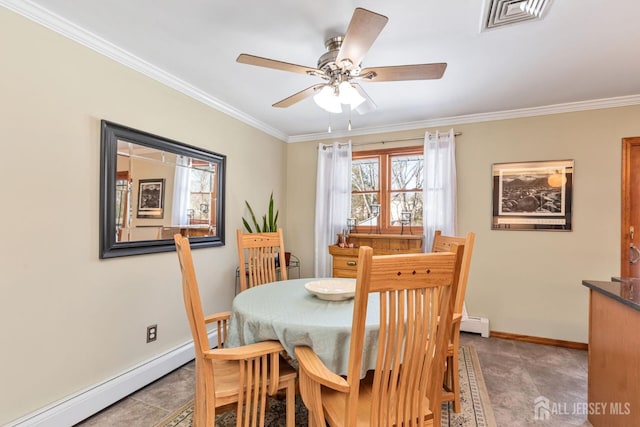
152	333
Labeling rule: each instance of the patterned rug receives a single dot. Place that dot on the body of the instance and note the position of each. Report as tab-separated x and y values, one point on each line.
476	407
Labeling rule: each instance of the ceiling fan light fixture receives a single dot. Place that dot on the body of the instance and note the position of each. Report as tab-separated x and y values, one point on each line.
327	100
347	94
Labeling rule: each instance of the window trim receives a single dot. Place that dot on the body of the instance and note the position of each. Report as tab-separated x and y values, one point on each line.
384	187
212	214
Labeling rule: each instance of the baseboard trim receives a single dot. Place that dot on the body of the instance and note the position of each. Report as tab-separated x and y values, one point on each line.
540	340
79	406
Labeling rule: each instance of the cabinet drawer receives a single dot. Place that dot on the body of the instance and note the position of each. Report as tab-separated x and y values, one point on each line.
345	263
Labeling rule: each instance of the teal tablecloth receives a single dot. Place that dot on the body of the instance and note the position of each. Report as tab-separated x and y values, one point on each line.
287	312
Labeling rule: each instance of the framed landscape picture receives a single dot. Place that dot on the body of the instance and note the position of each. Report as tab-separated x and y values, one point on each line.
151	198
532	195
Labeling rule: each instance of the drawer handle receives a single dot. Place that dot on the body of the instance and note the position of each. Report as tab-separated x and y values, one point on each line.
352	263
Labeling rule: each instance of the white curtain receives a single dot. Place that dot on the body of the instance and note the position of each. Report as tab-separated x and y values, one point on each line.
181	184
333	201
440	191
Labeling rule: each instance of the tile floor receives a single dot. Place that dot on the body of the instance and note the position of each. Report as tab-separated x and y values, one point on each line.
516	373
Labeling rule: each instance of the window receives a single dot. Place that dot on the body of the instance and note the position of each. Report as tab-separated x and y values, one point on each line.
384	184
202	193
123	190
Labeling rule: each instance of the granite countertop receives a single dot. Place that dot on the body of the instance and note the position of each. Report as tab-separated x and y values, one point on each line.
625	290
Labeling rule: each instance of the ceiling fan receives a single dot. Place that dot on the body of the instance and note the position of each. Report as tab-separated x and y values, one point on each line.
340	67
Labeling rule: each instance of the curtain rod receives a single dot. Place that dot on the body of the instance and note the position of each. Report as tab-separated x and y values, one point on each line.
418	138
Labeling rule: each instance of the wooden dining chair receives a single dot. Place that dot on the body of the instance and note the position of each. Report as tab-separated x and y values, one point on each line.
451	384
224	376
415	293
257	253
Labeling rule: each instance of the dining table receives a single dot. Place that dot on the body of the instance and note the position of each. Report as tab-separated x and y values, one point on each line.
287	312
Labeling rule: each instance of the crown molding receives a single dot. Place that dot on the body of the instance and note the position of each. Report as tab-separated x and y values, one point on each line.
70	30
570	107
66	28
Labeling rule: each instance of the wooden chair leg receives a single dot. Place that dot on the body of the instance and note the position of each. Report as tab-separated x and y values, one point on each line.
455	376
448	374
455	368
291	395
436	419
451	380
200	403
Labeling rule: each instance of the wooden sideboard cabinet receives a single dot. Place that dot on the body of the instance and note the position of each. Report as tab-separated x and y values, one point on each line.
345	260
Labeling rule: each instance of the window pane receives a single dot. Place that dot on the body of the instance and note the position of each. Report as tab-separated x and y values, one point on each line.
201	180
361	208
200	188
200	206
406	201
122	192
364	174
406	172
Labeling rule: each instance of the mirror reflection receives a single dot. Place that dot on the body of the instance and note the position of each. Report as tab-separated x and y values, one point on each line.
159	188
173	194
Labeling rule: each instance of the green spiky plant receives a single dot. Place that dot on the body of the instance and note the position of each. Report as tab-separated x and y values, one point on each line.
269	220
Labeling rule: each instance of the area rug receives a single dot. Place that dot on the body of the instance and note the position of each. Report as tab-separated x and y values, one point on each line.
476	407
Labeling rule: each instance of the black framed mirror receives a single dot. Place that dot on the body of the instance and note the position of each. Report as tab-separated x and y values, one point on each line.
152	188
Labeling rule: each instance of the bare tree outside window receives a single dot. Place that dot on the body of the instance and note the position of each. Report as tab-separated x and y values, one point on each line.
406	188
394	180
364	190
202	195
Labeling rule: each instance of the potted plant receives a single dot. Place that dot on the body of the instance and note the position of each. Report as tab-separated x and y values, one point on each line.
269	220
269	223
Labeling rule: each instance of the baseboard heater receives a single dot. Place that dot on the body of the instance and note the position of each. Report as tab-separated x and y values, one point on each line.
75	408
477	325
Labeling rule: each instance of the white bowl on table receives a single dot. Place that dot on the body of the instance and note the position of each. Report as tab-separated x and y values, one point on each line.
332	289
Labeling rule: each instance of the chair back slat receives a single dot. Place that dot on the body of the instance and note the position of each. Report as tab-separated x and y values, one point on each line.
253	401
257	254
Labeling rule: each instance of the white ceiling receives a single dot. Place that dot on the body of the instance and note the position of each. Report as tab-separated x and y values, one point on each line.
582	54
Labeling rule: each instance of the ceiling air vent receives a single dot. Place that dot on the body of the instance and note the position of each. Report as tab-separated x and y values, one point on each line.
504	12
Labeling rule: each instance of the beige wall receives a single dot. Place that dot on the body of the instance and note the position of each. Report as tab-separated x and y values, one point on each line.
525	282
68	319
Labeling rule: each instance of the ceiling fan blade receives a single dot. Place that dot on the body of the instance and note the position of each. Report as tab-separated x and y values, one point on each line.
368	105
297	97
364	28
404	72
245	58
